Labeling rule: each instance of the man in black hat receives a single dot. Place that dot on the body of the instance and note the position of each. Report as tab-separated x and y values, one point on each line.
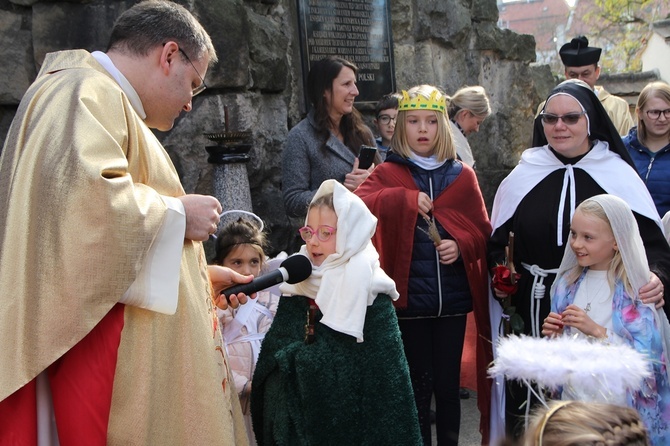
581	62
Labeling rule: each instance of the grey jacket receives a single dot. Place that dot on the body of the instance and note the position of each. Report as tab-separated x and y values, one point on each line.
307	162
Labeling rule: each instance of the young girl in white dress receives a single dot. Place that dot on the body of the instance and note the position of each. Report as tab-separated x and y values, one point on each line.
241	246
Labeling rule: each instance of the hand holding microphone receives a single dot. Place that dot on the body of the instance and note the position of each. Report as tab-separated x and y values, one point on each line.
292	270
223	277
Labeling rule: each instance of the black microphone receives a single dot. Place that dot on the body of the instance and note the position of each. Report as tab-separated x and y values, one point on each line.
292	270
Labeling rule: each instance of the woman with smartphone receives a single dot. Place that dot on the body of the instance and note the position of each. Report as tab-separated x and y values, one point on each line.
327	143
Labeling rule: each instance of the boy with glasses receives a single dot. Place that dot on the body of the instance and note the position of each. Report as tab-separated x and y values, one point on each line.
386	113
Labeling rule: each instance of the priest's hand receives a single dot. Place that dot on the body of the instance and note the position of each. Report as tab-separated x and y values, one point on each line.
202	216
652	292
222	278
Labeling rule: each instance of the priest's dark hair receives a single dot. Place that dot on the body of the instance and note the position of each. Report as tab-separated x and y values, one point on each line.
152	23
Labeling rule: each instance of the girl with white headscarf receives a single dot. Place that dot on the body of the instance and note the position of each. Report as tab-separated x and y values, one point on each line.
332	369
604	303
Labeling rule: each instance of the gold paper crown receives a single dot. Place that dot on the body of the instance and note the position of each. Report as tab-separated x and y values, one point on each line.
419	102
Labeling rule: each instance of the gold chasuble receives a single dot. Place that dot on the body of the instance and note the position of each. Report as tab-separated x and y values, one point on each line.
80	187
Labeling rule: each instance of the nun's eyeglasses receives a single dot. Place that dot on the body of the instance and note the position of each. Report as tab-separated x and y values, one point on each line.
568	118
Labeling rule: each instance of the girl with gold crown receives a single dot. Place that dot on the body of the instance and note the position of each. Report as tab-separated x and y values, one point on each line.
431	237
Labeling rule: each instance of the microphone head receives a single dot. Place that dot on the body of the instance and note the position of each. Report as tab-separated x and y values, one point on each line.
298	268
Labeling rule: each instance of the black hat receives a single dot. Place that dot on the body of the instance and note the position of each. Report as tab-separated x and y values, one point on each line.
578	53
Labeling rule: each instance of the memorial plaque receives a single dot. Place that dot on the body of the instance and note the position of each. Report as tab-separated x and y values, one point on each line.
356	30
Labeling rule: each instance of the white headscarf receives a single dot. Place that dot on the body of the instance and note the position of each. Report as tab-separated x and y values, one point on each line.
349	280
627	236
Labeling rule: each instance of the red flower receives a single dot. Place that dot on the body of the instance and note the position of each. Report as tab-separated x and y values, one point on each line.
502	279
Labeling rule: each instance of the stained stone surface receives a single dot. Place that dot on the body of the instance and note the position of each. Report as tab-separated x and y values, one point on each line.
449	43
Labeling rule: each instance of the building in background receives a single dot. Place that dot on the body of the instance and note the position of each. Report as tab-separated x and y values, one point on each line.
656	54
546	20
635	40
629	41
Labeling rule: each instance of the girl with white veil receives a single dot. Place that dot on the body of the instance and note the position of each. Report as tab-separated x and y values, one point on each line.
595	294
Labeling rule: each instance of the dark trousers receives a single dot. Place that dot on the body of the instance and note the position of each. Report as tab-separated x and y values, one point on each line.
433	347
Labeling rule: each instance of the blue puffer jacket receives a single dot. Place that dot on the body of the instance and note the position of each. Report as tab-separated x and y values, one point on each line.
434	289
654	168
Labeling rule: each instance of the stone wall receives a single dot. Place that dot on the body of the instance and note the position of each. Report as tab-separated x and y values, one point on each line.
449	43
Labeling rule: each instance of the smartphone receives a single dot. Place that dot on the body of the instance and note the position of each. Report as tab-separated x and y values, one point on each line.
366	156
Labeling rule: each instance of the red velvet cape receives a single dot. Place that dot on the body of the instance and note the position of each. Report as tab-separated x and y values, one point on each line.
392	196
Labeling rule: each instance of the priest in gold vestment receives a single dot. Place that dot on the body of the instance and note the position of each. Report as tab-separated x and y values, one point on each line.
106	316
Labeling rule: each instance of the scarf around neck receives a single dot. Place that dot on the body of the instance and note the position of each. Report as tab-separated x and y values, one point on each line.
348	281
604	166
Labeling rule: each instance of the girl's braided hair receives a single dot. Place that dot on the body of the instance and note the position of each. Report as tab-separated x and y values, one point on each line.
577	423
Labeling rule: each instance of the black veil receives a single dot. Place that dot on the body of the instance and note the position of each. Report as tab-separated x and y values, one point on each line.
600	125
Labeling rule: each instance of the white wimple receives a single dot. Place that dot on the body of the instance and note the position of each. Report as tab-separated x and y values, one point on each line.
575	362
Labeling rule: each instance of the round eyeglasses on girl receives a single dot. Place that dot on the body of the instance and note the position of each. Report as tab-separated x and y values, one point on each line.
323	232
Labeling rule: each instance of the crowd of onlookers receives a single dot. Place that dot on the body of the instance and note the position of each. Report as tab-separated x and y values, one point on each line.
120	332
433	233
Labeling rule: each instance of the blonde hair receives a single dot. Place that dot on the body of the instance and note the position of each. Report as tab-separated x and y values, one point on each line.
472	99
617	270
659	90
444	145
577	423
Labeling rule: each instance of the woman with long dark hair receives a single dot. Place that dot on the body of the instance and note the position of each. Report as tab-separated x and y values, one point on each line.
325	145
